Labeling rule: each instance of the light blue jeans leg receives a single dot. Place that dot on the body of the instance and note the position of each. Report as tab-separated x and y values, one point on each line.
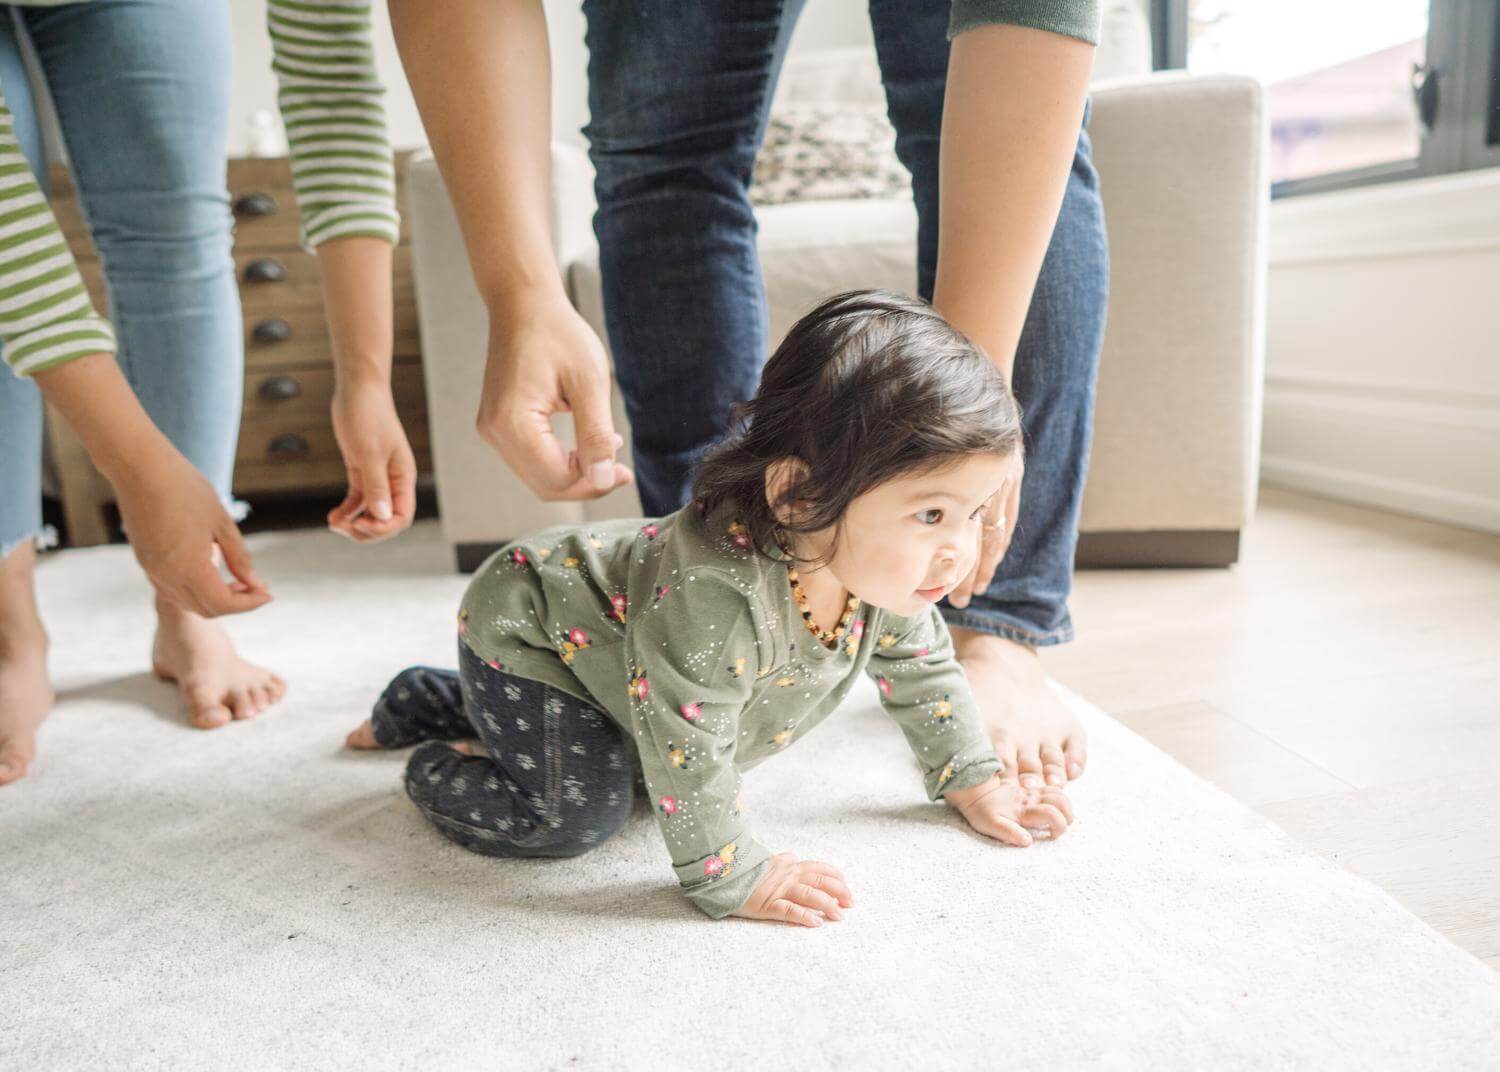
142	94
20	401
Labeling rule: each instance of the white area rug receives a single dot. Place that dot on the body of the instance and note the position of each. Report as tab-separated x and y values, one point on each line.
257	897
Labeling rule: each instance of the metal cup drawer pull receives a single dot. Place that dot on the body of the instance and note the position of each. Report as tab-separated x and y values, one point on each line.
288	446
255	205
279	388
265	270
273	329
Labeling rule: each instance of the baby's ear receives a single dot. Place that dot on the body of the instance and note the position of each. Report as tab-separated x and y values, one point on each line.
782	475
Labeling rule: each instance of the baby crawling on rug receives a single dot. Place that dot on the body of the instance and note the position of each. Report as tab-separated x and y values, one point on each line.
678	653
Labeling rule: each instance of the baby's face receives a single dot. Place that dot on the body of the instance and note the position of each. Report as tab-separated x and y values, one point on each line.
908	543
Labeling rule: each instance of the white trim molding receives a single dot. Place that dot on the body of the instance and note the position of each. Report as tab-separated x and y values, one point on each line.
1382	383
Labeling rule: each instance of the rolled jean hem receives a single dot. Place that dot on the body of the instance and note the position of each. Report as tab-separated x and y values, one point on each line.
42	538
996	625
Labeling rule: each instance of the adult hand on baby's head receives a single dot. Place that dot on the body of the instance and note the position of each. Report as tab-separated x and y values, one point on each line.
544	359
804	892
994	537
1002	808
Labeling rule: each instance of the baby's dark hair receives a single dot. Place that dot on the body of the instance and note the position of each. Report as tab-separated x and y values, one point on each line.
868	387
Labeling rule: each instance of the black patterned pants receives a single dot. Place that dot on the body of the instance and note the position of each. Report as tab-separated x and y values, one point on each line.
557	781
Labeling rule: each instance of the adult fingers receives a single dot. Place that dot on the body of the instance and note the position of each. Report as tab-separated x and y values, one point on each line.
593	429
377	488
1011	509
206	593
340	516
404	487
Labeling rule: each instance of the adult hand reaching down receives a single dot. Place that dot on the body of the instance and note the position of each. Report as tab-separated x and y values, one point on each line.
175	522
545	359
382	469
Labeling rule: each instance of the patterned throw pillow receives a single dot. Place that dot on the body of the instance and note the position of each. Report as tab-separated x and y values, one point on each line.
828	152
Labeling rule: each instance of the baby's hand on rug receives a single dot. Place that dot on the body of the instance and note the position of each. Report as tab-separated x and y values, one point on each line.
1002	808
804	892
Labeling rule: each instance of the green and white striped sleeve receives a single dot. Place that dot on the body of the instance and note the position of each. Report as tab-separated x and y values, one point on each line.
46	316
330	98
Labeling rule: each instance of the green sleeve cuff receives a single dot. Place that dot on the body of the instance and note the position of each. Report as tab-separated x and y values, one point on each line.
1071	18
970	767
723	881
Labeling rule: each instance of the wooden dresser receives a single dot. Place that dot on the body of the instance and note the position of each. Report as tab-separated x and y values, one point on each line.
286	442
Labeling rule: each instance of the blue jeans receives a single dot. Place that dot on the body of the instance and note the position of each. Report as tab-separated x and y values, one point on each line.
142	94
678	97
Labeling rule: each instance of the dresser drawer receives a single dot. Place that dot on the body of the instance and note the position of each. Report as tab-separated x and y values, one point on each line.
299	336
294	449
304	394
271	283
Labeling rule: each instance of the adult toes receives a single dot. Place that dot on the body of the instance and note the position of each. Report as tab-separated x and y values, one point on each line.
1029	766
241	703
1005	752
1075	752
13	763
1052	765
212	717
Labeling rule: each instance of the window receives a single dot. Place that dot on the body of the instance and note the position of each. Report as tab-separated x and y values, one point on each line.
1357	92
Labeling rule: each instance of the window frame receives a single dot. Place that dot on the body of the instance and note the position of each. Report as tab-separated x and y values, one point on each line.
1463	45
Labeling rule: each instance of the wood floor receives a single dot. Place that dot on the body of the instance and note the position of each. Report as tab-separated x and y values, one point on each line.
1343	679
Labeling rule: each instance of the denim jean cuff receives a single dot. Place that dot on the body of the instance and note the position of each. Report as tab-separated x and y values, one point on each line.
1000	625
43	538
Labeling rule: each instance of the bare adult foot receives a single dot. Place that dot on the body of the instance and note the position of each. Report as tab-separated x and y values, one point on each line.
217	684
25	692
1032	730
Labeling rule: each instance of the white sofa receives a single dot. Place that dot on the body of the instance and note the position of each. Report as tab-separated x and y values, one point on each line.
1177	426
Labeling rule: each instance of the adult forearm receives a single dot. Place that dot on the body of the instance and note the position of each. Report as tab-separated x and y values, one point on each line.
1011	120
357	302
480	72
92	395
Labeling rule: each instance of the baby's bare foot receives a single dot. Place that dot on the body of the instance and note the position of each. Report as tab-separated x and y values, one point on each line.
1032	730
25	692
217	684
362	736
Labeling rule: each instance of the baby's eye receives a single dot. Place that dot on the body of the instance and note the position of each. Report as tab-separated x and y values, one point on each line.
922	514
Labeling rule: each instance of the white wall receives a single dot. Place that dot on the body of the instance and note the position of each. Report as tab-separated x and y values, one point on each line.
825	24
1382	353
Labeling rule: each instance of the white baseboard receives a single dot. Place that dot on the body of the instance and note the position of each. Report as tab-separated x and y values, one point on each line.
1433	459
